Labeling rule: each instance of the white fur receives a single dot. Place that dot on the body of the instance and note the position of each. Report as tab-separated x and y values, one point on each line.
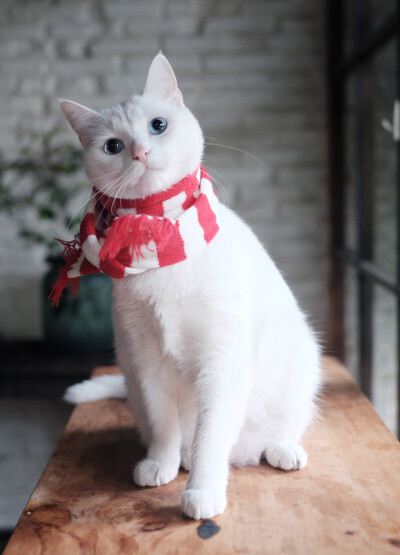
220	364
101	387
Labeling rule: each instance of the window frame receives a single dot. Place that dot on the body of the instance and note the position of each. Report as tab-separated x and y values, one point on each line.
368	273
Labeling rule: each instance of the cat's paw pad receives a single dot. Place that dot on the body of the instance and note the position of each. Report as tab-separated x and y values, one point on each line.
153	473
287	456
202	503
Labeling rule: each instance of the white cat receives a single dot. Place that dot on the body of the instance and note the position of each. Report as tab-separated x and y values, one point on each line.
220	365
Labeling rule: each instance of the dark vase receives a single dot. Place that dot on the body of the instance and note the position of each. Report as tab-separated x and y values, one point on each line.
82	323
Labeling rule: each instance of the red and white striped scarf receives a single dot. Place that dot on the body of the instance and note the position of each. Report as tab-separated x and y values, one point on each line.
122	237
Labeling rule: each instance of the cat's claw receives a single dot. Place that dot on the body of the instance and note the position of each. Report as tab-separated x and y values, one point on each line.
153	473
287	456
202	503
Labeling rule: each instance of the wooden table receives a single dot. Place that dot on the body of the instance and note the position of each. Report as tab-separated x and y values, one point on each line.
347	500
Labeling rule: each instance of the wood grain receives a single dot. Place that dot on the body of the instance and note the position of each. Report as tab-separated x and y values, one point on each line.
347	500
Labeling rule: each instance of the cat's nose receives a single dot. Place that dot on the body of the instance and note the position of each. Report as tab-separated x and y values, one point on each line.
139	153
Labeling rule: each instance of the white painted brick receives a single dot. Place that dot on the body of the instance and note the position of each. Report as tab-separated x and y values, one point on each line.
121	87
108	46
37	85
139	9
293	43
285	62
292	156
137	69
298	211
235	24
23	106
184	26
86	85
284	8
72	12
174	46
25	14
15	48
19	31
71	31
302	25
185	7
287	119
217	44
226	63
252	71
301	175
73	48
34	65
9	85
72	69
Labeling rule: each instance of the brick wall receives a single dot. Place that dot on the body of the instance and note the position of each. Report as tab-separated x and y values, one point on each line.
253	73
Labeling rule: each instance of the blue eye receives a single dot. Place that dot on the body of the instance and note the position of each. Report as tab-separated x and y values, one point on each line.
113	146
158	125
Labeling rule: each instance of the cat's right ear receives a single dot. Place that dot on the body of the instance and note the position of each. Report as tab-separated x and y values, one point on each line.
82	120
161	81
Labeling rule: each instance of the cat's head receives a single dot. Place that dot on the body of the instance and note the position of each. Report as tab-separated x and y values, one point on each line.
143	145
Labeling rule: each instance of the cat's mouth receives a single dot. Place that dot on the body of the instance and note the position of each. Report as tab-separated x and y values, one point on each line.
145	184
151	167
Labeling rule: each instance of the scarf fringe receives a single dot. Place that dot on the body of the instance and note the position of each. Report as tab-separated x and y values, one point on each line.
127	231
71	254
135	233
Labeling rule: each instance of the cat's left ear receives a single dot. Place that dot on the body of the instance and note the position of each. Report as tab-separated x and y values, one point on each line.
161	81
83	120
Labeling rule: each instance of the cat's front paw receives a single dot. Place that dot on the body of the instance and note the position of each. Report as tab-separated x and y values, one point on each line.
153	473
202	503
287	456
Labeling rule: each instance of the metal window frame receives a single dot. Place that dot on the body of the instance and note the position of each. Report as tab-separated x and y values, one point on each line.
368	272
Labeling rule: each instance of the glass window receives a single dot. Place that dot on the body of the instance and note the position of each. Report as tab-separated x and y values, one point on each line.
380	10
384	160
350	157
355	15
351	321
384	360
349	27
369	87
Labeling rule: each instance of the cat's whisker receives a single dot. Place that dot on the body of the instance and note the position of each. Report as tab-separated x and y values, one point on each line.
178	160
123	191
103	190
107	189
105	175
219	186
132	85
189	147
120	189
120	194
238	150
77	212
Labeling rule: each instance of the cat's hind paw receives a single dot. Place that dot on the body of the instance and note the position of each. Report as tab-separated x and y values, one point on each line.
287	456
202	503
153	473
101	387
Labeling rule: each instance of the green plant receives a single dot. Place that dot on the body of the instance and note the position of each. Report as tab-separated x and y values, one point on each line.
38	186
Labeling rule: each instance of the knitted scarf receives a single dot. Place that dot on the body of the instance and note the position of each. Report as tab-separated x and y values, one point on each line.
122	237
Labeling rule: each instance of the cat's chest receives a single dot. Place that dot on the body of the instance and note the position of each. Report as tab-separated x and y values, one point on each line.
165	306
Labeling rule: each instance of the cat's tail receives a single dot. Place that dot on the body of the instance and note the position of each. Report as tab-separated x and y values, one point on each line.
102	387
